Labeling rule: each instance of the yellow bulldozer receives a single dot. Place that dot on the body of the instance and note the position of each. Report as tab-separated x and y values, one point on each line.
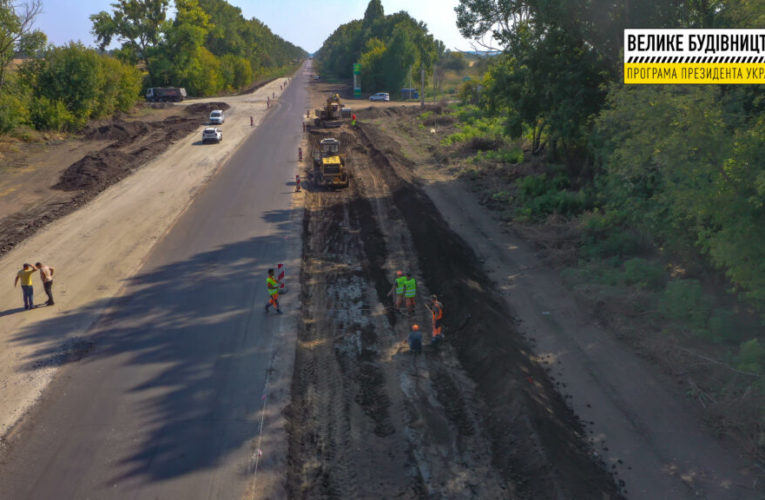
328	165
332	114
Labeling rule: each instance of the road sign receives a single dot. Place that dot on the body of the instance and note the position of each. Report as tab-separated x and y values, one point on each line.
356	80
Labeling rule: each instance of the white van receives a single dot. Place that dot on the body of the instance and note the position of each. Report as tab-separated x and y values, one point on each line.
216	117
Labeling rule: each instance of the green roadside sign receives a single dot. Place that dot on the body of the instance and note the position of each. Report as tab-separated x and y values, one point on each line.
356	80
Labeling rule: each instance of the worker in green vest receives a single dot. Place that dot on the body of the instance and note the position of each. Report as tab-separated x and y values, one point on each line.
410	292
273	291
398	290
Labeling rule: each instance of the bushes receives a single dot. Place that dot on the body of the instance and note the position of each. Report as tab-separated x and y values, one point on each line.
480	133
510	156
73	84
47	114
684	301
644	274
543	194
120	86
236	72
13	111
751	356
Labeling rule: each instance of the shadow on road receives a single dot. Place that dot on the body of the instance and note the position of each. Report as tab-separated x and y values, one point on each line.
185	347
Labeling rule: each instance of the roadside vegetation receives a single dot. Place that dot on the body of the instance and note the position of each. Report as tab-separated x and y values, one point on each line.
207	47
391	50
651	199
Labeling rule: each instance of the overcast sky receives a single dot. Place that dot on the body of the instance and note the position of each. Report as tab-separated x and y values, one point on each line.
306	23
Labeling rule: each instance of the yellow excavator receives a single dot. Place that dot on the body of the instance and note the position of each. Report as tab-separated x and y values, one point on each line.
332	114
328	165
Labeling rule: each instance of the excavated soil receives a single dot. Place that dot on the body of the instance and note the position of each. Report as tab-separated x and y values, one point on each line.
134	144
477	417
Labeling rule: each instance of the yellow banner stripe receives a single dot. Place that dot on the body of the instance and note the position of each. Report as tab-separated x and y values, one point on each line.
694	73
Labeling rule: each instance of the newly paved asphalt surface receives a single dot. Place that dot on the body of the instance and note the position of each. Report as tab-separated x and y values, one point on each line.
166	403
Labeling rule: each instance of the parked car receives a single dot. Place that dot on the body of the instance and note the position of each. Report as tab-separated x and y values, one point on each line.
216	117
380	96
410	94
212	134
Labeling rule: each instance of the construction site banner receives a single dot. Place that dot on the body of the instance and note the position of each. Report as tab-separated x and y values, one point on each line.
694	56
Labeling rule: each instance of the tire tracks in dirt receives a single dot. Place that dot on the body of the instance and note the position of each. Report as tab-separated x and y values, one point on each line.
370	420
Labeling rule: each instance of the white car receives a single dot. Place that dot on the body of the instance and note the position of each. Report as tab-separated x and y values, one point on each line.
212	134
380	96
216	117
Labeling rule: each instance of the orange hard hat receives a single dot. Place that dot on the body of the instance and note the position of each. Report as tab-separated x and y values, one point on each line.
415	327
399	273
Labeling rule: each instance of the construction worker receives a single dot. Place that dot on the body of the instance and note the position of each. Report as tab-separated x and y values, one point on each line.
410	292
273	291
415	339
398	289
437	312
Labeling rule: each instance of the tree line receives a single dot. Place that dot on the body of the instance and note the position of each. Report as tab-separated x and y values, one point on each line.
208	47
675	170
391	49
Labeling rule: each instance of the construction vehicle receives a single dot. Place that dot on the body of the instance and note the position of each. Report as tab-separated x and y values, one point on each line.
328	165
332	114
164	94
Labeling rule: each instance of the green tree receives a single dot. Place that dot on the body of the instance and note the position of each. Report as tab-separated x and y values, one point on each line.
137	24
373	72
17	33
398	59
72	84
550	78
175	56
373	14
409	47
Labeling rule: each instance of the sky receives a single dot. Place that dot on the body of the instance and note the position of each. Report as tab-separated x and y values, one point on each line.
306	23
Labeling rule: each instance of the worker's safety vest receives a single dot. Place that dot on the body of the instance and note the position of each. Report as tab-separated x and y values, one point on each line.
400	284
438	312
411	288
273	286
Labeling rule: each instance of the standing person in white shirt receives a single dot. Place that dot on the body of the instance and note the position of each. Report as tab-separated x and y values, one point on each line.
46	275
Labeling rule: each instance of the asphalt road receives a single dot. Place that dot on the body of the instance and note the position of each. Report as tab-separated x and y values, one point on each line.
166	399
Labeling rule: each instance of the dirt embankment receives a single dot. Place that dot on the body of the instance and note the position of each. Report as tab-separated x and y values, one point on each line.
134	144
477	418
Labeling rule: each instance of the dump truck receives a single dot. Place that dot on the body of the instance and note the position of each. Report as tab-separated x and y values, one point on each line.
165	94
332	114
329	168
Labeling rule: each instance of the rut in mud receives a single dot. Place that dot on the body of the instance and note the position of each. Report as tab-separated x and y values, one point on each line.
476	418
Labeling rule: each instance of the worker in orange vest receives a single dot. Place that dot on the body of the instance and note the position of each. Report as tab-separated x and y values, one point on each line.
437	312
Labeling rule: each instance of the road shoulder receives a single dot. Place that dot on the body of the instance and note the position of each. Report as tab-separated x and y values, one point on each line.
96	249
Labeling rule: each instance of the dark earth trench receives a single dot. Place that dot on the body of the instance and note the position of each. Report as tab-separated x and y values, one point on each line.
478	417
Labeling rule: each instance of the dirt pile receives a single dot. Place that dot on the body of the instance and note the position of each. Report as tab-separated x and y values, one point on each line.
96	170
204	108
380	112
117	130
135	143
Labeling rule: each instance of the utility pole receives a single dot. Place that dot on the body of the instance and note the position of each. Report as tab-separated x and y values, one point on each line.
422	86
